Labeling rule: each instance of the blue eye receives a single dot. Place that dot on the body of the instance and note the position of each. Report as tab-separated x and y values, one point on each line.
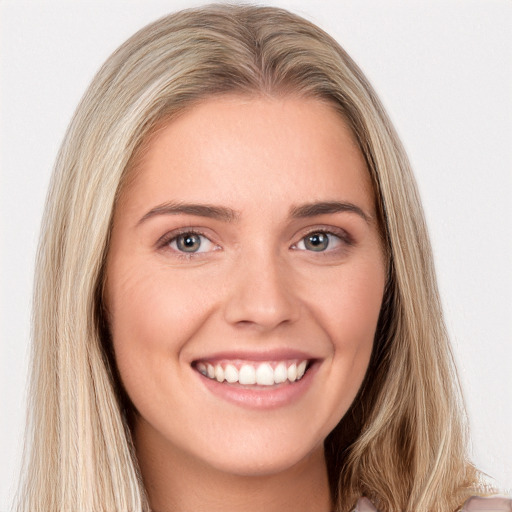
191	243
319	241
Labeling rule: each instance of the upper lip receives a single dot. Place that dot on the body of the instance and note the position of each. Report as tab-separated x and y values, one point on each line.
280	354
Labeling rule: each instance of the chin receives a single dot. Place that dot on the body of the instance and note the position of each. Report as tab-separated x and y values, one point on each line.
264	462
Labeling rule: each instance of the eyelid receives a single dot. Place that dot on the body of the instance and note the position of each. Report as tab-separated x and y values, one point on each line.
338	232
163	243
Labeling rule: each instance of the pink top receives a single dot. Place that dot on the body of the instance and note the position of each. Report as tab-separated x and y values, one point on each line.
474	504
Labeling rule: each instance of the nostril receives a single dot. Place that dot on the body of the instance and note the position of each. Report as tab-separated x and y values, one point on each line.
247	314
260	295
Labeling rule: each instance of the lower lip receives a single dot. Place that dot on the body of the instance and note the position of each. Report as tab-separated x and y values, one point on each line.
262	397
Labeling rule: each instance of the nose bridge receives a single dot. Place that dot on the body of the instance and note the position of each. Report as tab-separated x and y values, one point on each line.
261	291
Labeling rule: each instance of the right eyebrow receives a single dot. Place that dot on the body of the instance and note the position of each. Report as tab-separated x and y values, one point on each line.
200	210
327	207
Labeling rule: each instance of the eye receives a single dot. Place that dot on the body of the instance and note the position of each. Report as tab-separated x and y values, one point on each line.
319	241
190	243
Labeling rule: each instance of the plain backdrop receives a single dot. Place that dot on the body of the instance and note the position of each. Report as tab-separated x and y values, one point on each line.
443	71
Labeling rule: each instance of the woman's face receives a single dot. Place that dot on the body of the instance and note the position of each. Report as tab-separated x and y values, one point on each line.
244	282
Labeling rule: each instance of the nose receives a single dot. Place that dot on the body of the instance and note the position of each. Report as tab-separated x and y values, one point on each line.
261	294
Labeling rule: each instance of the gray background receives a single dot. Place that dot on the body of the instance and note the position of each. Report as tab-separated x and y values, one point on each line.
443	71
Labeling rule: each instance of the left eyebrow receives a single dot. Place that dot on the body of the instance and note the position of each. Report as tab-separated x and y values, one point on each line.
326	207
199	210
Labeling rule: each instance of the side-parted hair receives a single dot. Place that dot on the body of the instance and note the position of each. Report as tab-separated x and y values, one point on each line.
403	441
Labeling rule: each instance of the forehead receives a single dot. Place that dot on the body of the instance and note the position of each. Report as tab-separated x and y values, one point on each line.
234	147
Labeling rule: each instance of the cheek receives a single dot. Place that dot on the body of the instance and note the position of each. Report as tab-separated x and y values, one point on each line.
146	304
349	303
351	317
151	318
348	311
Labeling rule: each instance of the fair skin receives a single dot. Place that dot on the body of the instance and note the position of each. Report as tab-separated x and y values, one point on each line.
247	238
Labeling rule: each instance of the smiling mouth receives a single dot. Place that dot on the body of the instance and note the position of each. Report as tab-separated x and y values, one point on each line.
247	373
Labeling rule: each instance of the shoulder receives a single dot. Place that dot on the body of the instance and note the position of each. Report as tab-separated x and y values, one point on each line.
493	504
364	505
474	504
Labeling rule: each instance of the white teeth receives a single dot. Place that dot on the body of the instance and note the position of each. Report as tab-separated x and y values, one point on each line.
280	373
265	375
247	375
292	372
262	374
219	373
301	369
231	374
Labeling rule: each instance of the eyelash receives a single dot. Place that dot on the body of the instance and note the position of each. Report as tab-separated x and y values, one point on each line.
339	233
165	241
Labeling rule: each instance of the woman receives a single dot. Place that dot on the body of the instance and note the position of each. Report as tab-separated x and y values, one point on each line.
188	314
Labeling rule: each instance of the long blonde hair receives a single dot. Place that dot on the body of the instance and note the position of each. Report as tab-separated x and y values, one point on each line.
403	441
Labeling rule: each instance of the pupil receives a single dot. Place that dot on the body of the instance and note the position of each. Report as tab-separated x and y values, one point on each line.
317	242
189	242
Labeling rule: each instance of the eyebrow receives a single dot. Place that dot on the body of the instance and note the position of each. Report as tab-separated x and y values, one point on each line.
200	210
327	207
229	215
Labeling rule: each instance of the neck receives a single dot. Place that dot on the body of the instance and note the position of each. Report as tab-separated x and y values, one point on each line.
177	482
